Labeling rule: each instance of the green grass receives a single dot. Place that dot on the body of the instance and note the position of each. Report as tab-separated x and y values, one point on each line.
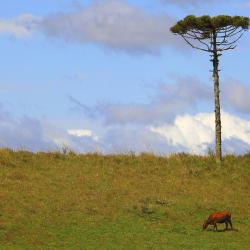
70	201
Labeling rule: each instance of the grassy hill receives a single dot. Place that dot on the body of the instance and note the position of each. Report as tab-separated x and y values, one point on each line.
69	201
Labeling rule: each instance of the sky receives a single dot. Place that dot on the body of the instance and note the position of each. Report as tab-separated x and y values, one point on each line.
108	76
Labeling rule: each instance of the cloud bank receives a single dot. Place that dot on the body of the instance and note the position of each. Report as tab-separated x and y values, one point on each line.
111	23
169	100
114	24
192	3
187	133
23	132
236	95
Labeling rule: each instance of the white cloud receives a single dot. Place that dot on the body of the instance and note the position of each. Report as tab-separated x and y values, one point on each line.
82	133
20	26
196	133
192	132
235	127
112	23
79	140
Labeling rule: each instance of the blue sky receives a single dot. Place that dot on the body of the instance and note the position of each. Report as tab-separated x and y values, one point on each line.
108	76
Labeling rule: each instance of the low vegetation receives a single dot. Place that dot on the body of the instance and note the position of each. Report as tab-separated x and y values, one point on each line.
68	201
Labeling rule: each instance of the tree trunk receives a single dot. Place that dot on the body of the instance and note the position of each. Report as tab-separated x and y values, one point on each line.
215	61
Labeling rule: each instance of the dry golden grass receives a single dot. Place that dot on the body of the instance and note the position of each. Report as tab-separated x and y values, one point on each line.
69	201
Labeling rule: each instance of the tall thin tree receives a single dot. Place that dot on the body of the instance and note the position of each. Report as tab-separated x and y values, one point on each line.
213	35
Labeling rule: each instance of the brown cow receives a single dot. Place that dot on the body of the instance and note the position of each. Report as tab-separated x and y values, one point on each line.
219	217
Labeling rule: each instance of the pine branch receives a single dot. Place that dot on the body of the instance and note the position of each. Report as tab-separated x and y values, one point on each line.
199	39
227	48
193	46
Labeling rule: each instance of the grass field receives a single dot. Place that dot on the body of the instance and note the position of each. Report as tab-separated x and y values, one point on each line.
70	201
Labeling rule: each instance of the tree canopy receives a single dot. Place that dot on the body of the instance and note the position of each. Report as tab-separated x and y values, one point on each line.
221	27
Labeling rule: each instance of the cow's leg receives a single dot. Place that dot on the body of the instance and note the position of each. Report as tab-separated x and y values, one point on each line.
230	223
226	225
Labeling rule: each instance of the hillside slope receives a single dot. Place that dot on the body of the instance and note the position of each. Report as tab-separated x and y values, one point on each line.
69	201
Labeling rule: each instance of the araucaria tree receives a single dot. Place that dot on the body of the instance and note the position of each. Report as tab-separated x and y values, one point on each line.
213	35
